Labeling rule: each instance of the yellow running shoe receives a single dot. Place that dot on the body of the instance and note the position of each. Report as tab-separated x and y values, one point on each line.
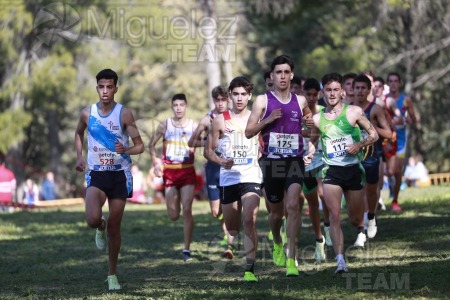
250	277
113	283
224	241
101	240
279	258
291	269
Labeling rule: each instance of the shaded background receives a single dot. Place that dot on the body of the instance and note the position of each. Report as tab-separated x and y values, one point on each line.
51	51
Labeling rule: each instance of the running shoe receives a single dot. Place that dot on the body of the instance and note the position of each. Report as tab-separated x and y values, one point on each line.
371	228
187	256
319	254
341	267
291	268
328	241
279	258
100	236
381	205
366	220
396	208
224	241
270	236
250	277
113	283
360	240
228	254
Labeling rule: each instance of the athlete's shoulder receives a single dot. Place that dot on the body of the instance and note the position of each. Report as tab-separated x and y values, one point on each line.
354	110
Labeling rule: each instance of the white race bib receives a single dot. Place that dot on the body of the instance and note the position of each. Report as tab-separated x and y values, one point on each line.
283	143
337	147
177	153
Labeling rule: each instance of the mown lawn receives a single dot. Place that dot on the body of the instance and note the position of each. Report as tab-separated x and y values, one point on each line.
50	254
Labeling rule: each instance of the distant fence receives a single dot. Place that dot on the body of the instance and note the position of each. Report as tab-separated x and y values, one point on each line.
439	178
48	203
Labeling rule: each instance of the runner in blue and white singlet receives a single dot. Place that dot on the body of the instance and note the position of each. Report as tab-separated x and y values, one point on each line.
103	132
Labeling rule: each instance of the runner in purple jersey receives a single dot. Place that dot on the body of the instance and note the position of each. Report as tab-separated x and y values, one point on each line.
277	117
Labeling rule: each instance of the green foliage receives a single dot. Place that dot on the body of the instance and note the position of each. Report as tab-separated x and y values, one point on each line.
12	124
53	84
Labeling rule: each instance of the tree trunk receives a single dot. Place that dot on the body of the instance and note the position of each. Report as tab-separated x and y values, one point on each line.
212	64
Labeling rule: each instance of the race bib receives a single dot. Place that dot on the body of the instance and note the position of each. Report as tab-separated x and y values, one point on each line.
337	147
177	152
283	143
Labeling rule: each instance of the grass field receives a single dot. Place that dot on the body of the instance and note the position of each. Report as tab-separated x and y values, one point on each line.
50	254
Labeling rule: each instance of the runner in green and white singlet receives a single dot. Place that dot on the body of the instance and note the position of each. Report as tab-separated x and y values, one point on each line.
338	127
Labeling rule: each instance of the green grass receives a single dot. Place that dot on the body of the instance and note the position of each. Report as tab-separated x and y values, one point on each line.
50	254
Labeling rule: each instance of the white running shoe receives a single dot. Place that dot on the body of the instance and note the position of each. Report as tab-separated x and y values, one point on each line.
371	228
341	267
328	241
101	240
319	254
381	204
360	240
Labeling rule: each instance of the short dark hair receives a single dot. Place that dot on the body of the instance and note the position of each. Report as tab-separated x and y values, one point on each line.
311	83
362	78
180	96
394	74
266	75
2	158
350	75
241	81
282	59
219	91
107	74
378	78
330	77
297	80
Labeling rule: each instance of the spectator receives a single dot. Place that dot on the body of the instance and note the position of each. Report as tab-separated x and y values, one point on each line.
7	183
157	185
139	186
416	173
48	187
30	192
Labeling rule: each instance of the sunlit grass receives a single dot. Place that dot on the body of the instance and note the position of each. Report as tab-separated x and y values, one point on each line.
51	254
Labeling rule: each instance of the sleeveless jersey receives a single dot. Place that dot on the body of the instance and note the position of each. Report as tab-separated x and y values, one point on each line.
335	135
176	150
401	129
103	131
372	151
282	138
317	158
244	152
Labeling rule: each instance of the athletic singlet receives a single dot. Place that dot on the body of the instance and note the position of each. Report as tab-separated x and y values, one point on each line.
282	137
335	135
317	157
400	129
176	150
244	152
103	132
370	151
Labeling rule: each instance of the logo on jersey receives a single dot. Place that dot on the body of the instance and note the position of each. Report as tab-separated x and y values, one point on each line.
112	126
294	116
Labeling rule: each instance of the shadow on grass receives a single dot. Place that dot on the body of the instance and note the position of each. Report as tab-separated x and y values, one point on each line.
51	254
